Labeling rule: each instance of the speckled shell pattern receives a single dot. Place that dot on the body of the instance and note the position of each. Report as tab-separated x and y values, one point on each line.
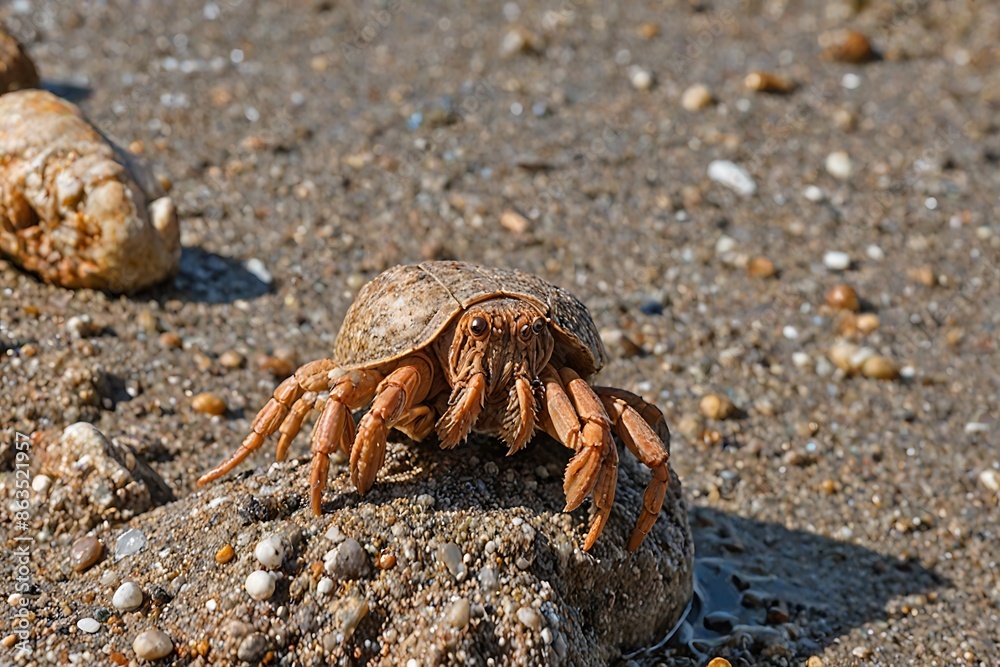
405	308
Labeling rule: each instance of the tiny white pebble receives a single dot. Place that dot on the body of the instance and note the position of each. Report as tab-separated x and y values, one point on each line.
260	585
874	252
813	193
990	479
41	483
836	260
931	203
641	79
128	597
732	176
800	359
977	427
696	97
88	625
412	663
839	165
212	605
269	552
851	81
724	245
790	332
325	586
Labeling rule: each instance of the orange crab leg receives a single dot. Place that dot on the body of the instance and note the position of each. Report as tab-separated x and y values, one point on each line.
645	442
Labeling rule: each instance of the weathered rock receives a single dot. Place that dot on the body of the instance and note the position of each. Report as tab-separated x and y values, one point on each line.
16	69
95	480
75	209
529	581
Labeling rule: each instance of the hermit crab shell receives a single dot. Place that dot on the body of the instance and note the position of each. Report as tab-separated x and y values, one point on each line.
16	69
405	308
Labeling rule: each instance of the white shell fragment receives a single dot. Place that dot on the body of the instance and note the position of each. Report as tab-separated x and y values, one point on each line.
732	176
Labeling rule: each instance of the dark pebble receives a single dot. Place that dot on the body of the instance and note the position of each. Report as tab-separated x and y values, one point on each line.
252	648
720	621
85	552
652	307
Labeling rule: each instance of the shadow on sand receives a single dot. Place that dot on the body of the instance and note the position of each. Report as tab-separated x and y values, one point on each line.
205	277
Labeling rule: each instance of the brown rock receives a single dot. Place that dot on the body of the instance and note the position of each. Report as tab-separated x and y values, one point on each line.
847	46
843	297
16	69
208	403
763	82
714	406
761	267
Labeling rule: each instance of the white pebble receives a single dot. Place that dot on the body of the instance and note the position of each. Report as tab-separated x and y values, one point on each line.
211	605
641	79
257	268
696	97
260	585
851	81
724	245
790	332
41	483
269	552
977	427
128	597
325	586
836	260
152	645
800	359
838	165
990	479
732	176
874	252
88	625
813	193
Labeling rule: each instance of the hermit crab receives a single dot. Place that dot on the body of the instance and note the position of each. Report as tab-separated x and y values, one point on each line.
450	348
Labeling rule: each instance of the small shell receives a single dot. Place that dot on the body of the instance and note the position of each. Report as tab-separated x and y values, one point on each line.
16	69
74	208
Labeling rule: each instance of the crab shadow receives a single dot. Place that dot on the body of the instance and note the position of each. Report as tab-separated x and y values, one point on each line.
206	277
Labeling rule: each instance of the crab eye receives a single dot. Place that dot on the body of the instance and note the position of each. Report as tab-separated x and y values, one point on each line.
525	332
479	326
538	325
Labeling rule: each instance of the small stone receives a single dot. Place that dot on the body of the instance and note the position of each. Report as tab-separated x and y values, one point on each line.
923	275
208	403
147	322
385	561
814	194
529	618
231	359
81	326
458	614
41	483
451	556
861	652
128	597
225	554
85	552
169	340
152	645
843	297
763	82
355	613
260	585
9	641
842	356
350	561
874	252
517	41
648	30
761	267
259	271
513	221
130	542
836	260
847	46
88	625
252	648
866	323
879	368
325	586
732	176
838	164
814	661
719	662
488	579
269	552
990	478
696	98
640	78
714	406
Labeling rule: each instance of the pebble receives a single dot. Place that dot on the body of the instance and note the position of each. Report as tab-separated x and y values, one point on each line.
732	176
225	554
529	618
836	260
847	46
349	561
648	30
875	253
85	552
324	586
763	82
488	579
714	406
879	368
41	483
353	617
88	625
640	78
719	662
152	645
459	614
257	268
232	359
130	542
208	403
128	597
696	98
843	297
169	340
269	552
513	221
814	194
990	478
252	648
838	164
81	326
451	556
866	323
814	661
260	585
761	267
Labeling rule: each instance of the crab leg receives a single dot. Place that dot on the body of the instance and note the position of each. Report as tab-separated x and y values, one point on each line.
397	394
647	446
311	377
570	403
650	413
